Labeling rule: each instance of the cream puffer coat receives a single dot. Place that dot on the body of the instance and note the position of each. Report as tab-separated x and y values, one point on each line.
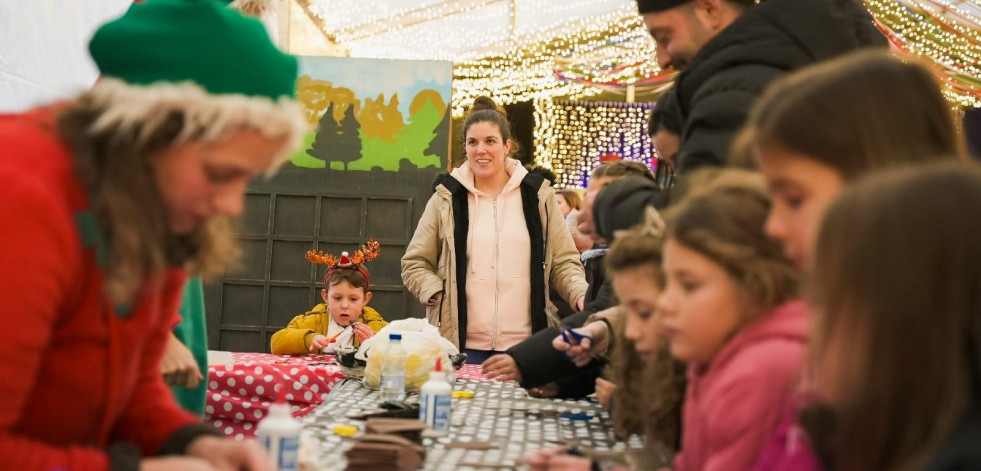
436	259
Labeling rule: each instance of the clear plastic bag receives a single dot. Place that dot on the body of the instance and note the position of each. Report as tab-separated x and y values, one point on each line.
422	344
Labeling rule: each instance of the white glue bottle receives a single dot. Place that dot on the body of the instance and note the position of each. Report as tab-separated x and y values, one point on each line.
434	402
279	433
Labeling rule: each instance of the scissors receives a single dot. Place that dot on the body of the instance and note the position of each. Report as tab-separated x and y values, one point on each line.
572	337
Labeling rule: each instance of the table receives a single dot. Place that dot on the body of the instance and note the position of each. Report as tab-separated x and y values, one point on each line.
501	413
240	392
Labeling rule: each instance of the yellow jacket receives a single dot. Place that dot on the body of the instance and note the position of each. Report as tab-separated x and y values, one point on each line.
296	337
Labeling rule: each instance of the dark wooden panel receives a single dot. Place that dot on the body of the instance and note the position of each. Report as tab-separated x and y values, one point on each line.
390	304
289	262
238	341
286	302
295	216
387	268
388	219
303	209
255	220
341	217
241	305
252	265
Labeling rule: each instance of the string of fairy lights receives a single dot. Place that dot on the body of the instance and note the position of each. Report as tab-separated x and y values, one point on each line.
518	59
947	35
573	137
557	62
527	72
511	61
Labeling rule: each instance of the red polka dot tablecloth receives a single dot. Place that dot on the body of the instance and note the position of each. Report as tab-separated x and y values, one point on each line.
239	394
469	372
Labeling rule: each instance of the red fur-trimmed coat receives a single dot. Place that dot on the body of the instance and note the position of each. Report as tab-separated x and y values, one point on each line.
77	374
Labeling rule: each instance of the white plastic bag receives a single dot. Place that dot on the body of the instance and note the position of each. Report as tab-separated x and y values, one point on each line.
422	344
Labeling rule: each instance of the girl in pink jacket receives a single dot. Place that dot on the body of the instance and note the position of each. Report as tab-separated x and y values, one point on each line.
729	311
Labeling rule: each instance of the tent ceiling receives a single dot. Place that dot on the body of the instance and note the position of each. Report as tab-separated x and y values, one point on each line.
457	30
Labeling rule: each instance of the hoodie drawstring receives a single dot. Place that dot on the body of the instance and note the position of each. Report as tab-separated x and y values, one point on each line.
470	235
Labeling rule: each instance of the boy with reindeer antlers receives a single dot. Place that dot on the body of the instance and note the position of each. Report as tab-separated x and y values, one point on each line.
344	319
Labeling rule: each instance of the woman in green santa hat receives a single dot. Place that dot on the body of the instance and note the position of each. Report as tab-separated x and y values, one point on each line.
108	202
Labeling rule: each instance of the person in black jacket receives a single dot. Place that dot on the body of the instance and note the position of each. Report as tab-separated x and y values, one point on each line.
729	50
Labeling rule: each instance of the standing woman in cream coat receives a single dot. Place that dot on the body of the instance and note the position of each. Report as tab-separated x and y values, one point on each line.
490	244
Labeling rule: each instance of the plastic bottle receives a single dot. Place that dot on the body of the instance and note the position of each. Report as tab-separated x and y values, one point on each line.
393	370
279	432
435	402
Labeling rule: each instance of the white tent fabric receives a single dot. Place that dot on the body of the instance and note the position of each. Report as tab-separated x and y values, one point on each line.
457	30
44	48
44	56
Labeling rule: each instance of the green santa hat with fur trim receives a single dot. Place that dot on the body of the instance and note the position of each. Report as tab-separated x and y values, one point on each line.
199	57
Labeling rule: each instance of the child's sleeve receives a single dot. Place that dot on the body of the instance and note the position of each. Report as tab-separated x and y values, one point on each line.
746	413
373	320
296	337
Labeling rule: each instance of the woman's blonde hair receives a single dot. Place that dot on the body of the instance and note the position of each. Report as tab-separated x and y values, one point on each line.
572	197
113	144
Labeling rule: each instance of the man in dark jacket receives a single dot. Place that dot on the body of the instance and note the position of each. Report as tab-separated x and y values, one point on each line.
729	50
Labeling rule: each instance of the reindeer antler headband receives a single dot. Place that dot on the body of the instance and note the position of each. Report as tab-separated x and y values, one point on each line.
368	252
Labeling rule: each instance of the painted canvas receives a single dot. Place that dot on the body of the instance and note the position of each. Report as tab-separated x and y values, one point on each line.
374	114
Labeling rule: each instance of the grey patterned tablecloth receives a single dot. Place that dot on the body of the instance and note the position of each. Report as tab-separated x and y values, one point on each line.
500	413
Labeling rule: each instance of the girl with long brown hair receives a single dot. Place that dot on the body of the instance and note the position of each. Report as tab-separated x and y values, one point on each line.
818	129
728	309
897	346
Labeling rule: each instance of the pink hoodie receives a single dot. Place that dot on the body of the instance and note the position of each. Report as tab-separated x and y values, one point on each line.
734	404
789	448
499	271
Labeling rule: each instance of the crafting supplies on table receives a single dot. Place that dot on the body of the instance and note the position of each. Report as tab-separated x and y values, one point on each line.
494	424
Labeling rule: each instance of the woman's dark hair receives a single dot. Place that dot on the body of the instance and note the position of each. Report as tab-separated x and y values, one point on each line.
862	112
897	292
484	110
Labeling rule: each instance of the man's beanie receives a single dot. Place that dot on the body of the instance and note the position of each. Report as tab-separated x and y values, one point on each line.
622	204
654	6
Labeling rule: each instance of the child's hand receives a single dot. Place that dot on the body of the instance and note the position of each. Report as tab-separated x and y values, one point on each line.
178	365
363	332
556	459
581	352
318	343
604	391
547	391
501	367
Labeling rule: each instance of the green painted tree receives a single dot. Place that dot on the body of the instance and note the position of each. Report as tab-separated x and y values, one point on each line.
349	139
415	139
323	144
440	144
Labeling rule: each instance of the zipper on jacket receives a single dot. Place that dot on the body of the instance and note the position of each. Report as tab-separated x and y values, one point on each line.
497	276
439	320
